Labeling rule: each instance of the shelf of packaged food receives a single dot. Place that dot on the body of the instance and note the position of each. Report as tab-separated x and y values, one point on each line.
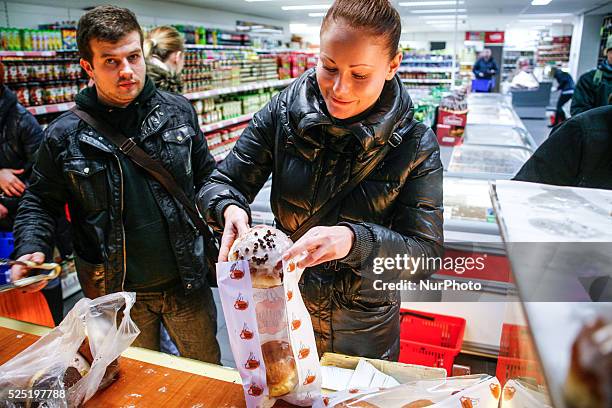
28	53
426	81
277	83
427	61
223	143
225	123
45	109
426	69
218	156
219	47
548	53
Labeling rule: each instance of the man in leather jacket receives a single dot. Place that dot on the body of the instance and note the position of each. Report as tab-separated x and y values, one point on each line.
130	234
313	138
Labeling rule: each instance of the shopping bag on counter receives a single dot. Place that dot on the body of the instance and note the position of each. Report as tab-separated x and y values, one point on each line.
66	367
270	330
520	394
472	391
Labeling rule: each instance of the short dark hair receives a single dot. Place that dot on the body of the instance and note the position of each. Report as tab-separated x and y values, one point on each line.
377	16
105	23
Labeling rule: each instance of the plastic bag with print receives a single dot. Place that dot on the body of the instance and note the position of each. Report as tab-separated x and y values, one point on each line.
473	391
269	327
68	365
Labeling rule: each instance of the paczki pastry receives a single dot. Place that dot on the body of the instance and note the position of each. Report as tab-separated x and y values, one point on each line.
281	372
263	247
589	381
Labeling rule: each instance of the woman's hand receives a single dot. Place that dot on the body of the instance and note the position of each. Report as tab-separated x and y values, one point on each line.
10	184
236	224
322	244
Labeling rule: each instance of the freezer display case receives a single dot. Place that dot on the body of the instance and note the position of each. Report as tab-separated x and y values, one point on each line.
488	99
467	200
494	161
499	135
560	242
493	115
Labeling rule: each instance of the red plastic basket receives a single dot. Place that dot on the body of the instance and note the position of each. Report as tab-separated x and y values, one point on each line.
516	342
432	340
509	368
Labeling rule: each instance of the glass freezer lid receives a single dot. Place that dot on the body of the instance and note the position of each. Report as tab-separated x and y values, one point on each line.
487	98
467	199
482	159
495	135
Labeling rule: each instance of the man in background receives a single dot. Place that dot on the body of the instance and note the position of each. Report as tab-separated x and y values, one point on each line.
485	67
578	153
594	88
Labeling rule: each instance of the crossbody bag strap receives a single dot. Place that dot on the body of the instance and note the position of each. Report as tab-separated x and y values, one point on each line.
129	147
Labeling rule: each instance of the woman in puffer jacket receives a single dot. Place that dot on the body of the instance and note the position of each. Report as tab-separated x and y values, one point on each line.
313	138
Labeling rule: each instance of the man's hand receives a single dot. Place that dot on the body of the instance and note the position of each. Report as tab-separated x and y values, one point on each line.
322	244
10	184
3	211
20	271
236	224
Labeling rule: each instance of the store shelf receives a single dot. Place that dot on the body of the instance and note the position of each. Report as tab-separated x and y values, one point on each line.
427	81
28	53
225	123
225	142
427	61
219	47
45	109
426	69
277	83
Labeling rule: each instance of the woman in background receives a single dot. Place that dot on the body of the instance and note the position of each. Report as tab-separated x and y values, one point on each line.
164	50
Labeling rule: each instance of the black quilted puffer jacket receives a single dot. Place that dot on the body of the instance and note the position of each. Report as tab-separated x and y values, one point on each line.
20	136
397	209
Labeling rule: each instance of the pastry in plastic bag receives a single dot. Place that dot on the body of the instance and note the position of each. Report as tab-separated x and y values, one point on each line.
258	290
62	361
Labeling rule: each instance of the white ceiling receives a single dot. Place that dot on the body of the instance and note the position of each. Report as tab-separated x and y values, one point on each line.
481	14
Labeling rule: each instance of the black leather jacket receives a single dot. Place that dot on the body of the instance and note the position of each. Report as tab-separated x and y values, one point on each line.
77	165
397	209
20	136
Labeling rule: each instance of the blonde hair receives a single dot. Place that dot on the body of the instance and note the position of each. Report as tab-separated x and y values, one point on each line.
163	41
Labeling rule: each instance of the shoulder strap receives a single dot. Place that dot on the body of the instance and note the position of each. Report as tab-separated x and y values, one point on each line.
597	77
153	167
315	218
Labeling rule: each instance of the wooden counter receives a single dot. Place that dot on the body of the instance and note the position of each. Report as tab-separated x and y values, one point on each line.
148	378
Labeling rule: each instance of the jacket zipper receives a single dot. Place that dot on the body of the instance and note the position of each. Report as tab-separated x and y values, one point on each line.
122	226
146	117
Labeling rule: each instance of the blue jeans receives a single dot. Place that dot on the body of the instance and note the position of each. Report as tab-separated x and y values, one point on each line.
191	322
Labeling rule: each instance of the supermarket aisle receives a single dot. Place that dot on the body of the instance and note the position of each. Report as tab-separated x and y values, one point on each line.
538	128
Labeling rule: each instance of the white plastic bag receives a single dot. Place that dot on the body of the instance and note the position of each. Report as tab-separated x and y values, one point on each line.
481	391
45	362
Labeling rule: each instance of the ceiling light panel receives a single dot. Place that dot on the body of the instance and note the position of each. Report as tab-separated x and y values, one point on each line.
431	3
307	7
435	11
